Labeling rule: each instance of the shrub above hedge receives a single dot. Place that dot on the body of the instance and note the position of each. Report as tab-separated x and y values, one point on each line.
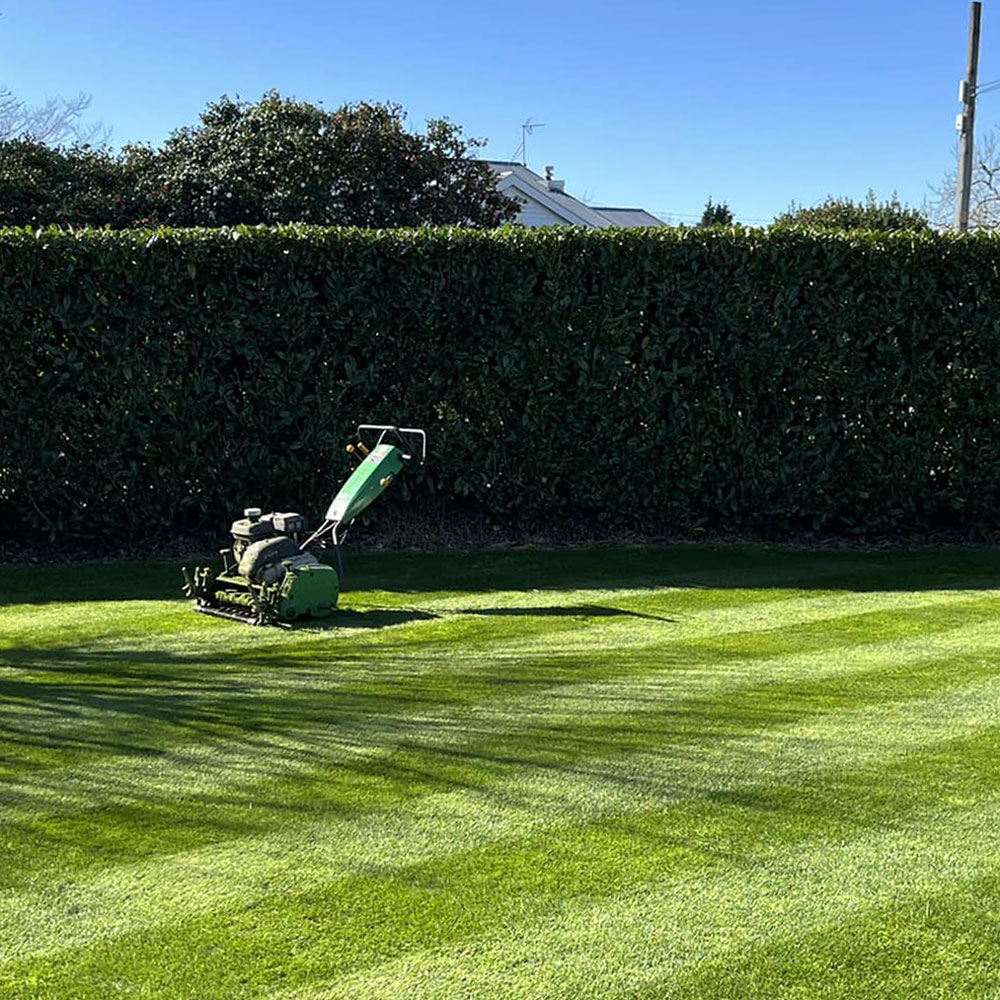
726	379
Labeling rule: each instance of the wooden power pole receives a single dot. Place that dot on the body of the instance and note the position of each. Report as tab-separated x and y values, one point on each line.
967	120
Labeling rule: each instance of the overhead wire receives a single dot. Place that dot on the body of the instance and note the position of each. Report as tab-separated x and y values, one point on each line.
664	214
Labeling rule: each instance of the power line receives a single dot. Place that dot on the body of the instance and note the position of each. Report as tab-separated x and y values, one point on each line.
664	213
982	88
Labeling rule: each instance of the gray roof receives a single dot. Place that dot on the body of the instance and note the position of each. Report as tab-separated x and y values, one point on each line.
629	217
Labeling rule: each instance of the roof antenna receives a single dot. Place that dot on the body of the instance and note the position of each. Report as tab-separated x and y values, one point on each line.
526	129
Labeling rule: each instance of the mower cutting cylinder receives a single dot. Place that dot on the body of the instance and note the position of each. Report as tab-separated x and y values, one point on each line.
308	592
234	598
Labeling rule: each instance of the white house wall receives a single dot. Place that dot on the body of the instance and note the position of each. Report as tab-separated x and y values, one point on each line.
533	215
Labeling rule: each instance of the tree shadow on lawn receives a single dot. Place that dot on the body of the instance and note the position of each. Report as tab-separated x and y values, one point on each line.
295	773
279	751
360	744
141	702
725	567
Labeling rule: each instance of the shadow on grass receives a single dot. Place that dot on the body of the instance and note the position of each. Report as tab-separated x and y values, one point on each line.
293	751
372	618
351	728
734	567
562	611
376	618
129	700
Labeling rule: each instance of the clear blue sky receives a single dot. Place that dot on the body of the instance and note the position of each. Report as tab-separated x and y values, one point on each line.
658	105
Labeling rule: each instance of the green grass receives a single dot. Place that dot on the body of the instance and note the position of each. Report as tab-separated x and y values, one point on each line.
664	773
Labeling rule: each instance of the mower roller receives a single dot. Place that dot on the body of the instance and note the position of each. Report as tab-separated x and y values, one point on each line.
270	575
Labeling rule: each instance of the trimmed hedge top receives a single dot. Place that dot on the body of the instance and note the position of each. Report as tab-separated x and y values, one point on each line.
730	379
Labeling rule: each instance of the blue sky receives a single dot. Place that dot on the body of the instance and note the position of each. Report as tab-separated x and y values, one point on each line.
658	105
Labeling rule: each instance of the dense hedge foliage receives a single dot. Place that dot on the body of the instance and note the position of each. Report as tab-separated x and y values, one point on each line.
726	379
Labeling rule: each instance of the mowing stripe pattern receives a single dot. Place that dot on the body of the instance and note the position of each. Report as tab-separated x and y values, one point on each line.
666	773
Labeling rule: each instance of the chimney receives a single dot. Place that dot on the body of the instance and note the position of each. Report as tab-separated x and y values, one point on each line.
553	184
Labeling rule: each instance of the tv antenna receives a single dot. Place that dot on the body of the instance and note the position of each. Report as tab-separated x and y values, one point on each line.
526	129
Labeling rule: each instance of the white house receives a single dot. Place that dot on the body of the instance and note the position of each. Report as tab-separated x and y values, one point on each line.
546	203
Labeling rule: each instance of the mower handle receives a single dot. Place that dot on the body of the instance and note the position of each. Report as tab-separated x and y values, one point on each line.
402	433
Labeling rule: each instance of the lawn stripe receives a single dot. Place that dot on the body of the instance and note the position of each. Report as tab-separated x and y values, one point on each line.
942	938
644	939
634	687
350	666
255	790
119	899
200	809
203	640
356	922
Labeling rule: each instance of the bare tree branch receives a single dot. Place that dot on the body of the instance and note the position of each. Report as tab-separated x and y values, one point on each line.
56	121
984	195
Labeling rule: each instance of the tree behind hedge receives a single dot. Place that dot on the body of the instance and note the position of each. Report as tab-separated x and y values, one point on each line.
275	161
282	160
716	215
75	186
844	214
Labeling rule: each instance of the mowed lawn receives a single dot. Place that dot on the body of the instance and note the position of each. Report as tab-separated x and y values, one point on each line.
657	773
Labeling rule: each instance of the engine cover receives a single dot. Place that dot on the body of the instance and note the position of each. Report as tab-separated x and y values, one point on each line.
260	557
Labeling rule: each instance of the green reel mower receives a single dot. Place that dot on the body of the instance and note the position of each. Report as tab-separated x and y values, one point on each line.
271	574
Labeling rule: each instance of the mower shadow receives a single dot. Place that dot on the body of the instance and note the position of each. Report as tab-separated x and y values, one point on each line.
375	618
372	618
562	611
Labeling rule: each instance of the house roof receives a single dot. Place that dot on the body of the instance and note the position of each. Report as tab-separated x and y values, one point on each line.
515	178
629	217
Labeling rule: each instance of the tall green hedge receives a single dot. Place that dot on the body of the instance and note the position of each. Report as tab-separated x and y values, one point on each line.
728	379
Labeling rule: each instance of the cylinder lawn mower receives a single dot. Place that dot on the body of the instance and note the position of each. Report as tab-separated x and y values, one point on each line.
268	577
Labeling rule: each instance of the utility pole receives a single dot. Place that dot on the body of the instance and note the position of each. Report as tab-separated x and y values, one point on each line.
967	119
